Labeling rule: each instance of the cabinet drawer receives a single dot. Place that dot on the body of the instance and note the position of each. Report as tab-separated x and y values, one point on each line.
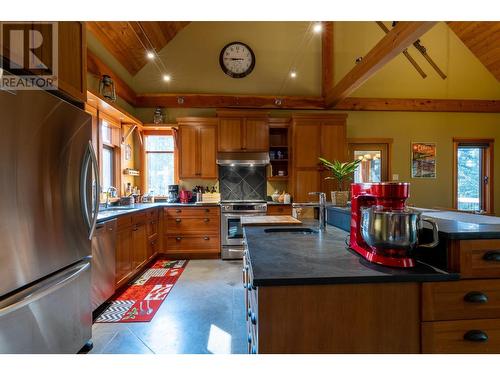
278	209
477	258
139	218
208	243
466	299
191	211
123	221
152	214
461	336
192	225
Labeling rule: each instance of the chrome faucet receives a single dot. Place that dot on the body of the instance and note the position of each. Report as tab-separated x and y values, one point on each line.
110	189
322	209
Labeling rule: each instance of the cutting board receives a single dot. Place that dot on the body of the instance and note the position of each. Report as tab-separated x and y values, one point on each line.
269	220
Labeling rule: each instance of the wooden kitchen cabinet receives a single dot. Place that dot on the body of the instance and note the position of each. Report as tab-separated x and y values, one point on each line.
279	209
198	148
139	241
123	255
192	231
243	131
315	136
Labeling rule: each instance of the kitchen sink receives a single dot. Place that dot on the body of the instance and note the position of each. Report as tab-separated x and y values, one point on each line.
291	230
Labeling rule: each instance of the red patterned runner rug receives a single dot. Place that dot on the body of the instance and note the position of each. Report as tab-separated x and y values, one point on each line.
145	294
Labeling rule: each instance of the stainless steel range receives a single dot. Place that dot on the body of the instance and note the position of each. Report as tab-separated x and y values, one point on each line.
231	230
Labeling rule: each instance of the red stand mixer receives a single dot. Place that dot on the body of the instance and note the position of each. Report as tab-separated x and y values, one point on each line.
383	229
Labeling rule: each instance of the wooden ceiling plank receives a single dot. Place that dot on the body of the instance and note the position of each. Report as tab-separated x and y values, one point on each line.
393	43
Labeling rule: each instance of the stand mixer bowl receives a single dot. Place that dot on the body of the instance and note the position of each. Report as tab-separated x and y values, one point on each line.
394	231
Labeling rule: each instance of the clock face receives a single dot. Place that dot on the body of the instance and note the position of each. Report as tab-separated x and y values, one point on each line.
237	60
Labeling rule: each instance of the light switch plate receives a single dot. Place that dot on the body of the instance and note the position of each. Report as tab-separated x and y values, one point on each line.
395	177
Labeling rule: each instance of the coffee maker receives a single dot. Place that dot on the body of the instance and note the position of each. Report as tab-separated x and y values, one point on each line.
383	229
173	193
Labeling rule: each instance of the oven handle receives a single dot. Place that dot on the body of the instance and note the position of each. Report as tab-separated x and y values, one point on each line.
248	214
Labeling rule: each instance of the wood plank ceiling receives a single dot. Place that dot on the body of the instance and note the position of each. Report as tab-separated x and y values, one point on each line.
129	41
483	39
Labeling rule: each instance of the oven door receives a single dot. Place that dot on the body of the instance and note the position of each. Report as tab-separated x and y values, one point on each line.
231	231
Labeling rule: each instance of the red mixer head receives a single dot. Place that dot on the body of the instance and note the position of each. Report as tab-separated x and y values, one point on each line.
387	196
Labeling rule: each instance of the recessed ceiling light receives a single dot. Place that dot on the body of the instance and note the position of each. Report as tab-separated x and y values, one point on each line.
150	55
166	78
293	74
318	27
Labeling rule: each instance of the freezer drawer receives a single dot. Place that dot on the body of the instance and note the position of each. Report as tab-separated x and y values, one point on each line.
52	316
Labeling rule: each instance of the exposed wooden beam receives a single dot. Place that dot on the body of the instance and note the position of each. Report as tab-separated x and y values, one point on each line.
393	43
97	67
419	105
327	67
228	101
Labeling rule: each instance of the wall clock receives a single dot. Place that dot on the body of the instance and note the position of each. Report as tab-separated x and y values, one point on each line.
237	60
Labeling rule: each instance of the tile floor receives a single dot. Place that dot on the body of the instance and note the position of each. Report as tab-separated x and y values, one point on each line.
204	313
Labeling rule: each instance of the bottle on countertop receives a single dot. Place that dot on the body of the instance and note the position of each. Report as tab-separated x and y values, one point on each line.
287	199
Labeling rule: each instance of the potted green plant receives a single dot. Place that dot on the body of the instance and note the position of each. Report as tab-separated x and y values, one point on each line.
341	172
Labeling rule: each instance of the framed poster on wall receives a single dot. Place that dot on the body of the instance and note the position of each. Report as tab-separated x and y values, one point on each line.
423	160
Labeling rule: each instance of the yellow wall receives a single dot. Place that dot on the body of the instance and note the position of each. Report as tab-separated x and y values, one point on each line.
406	127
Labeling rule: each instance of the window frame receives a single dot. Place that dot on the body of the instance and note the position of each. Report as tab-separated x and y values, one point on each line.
166	132
114	145
487	203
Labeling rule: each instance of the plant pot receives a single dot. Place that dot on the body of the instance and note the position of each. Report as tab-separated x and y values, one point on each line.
340	198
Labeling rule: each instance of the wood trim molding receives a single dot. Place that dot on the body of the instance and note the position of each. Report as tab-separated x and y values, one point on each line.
327	62
391	45
419	105
179	100
370	140
97	67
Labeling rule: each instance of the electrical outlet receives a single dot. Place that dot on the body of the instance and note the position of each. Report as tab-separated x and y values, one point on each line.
395	177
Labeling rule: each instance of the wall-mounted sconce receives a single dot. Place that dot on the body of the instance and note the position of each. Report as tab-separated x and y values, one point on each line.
107	88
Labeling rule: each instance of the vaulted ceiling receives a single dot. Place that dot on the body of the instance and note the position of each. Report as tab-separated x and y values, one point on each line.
483	39
129	41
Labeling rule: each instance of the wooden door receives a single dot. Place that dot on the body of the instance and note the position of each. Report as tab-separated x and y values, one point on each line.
188	155
256	135
230	135
139	241
207	136
378	151
123	264
306	145
333	147
306	181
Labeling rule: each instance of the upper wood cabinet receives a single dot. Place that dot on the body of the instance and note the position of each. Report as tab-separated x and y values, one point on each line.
71	52
243	131
197	147
315	136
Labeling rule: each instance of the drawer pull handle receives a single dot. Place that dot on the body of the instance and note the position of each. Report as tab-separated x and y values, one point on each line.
492	256
178	220
476	297
206	220
476	336
207	210
206	238
178	238
178	211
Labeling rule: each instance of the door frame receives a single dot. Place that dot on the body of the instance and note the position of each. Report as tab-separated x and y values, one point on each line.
487	190
375	141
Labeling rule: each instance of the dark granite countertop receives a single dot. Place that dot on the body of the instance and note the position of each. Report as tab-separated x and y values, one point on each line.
322	258
456	225
277	203
113	214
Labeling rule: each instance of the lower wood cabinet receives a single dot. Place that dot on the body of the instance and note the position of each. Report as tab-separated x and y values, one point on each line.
279	209
191	231
137	243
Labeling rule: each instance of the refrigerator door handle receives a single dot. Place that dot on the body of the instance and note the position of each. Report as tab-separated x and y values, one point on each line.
84	187
42	289
95	189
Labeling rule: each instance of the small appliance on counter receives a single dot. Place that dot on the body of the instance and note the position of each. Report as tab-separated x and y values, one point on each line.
173	193
383	229
185	196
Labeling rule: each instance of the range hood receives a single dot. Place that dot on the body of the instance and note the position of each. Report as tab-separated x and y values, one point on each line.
243	158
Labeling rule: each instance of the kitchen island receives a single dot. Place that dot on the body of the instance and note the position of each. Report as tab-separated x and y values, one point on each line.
307	293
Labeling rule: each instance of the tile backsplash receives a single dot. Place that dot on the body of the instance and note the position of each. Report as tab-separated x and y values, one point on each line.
242	183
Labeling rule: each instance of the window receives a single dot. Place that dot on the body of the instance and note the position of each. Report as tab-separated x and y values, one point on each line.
473	169
374	156
159	151
107	167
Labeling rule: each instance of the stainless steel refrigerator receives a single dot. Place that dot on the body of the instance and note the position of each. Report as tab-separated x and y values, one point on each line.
48	210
